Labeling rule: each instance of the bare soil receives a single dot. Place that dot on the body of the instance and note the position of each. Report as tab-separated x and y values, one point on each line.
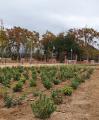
82	105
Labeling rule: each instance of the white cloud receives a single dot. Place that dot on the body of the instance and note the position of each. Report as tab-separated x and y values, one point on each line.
54	15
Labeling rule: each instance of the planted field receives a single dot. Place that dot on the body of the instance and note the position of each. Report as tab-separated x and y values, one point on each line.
37	92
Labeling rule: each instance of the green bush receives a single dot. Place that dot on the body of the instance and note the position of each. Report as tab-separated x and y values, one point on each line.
56	81
26	74
57	97
16	75
66	72
8	101
5	81
47	84
20	69
18	87
32	83
79	78
34	73
22	79
67	90
43	107
75	84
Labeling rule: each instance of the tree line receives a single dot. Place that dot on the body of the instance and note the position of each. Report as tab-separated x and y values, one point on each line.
17	43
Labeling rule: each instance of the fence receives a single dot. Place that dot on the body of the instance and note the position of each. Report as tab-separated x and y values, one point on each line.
5	61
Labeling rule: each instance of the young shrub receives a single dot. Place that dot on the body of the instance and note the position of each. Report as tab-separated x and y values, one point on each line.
34	74
75	84
8	101
67	90
47	84
6	81
20	69
22	79
11	102
66	73
18	87
32	83
26	74
57	97
56	81
79	78
16	75
43	107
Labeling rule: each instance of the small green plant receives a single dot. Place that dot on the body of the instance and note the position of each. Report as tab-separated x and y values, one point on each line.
47	84
75	84
79	78
67	90
32	83
43	107
20	69
8	101
16	75
56	81
26	74
57	97
22	79
66	73
18	87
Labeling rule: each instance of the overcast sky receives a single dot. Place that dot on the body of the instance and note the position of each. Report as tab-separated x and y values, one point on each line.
53	15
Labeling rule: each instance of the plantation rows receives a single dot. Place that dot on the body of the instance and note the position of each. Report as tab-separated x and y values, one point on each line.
13	80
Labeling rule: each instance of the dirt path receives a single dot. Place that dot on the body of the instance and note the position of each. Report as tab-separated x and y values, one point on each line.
82	105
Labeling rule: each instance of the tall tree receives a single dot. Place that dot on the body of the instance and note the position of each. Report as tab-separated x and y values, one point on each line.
3	41
47	42
85	37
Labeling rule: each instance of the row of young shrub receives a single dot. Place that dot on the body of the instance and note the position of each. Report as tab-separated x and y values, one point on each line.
19	75
10	101
49	75
81	77
57	74
44	106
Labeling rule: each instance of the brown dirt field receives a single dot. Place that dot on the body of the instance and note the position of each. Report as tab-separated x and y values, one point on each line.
82	105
